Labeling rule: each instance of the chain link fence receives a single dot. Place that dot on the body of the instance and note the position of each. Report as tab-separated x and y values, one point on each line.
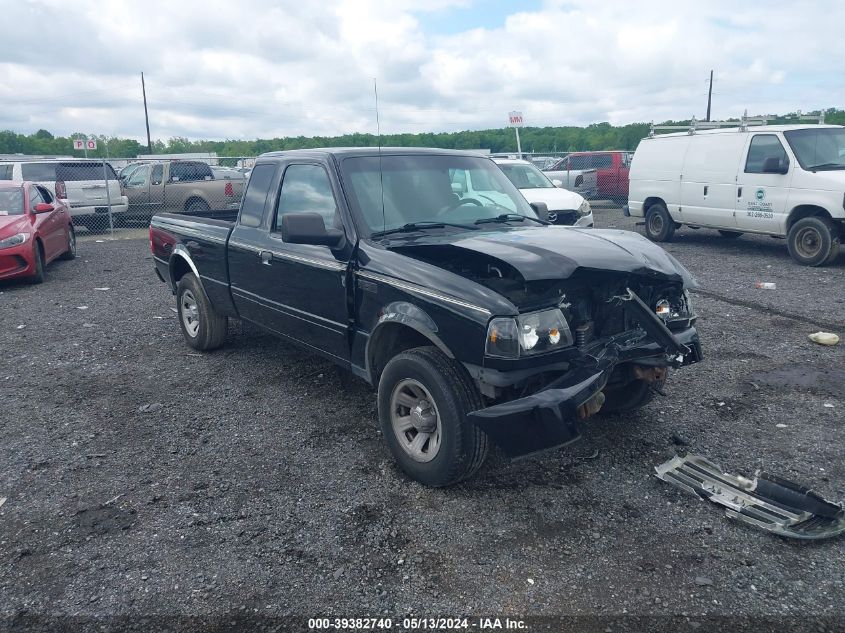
112	195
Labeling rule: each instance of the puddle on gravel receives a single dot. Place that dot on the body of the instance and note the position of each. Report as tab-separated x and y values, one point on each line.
827	380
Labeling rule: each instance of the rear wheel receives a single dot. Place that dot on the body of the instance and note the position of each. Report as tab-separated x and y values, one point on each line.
197	207
659	225
813	241
70	253
731	235
201	326
38	276
423	400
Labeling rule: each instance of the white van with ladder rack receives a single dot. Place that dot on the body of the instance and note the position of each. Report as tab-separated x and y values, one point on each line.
787	181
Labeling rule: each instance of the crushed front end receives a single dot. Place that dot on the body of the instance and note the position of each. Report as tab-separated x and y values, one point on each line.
615	335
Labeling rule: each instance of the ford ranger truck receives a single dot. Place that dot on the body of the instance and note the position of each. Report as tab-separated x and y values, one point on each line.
476	320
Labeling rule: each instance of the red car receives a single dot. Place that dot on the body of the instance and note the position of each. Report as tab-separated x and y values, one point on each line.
35	229
611	167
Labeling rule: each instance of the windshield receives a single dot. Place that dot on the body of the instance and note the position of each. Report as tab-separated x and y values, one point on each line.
526	176
818	148
11	201
429	188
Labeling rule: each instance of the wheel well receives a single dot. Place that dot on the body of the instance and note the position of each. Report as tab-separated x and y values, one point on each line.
805	211
178	268
193	199
388	341
648	202
40	245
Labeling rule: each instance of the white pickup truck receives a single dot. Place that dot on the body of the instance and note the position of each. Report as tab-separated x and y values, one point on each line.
584	181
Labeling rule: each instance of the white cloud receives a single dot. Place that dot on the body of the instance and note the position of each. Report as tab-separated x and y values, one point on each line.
262	68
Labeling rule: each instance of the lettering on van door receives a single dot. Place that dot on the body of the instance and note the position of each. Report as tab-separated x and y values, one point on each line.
759	207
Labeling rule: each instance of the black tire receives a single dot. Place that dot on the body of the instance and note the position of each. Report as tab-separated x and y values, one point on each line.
462	445
197	207
630	396
38	276
70	253
202	328
813	241
731	235
659	225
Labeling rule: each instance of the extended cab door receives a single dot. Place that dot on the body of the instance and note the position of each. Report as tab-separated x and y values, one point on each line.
763	185
298	290
137	190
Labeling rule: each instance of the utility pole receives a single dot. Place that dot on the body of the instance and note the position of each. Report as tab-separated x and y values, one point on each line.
147	116
709	96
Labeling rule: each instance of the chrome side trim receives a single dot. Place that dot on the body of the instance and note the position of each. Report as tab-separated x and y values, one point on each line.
312	261
421	290
181	251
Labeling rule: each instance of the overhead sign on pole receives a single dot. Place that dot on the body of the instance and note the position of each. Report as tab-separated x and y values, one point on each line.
90	144
515	119
79	144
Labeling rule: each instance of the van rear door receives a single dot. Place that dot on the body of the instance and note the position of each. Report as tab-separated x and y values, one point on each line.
708	185
762	186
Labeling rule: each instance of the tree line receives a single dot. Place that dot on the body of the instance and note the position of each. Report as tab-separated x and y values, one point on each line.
597	136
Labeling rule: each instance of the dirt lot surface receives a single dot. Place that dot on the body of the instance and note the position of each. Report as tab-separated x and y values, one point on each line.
143	479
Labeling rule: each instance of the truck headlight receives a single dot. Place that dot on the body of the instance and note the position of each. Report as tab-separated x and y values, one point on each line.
527	334
18	238
585	208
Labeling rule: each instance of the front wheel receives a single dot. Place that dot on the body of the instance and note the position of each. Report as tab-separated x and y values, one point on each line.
423	400
202	328
630	396
813	241
659	225
38	276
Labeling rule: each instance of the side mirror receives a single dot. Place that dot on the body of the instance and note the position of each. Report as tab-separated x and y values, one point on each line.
44	207
542	210
557	183
772	165
309	228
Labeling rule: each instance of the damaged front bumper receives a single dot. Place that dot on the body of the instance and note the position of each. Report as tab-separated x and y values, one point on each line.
550	417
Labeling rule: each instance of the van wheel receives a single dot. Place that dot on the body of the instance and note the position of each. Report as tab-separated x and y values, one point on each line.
423	400
201	326
731	235
813	241
659	225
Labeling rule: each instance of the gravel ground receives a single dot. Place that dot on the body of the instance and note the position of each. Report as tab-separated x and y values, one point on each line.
143	479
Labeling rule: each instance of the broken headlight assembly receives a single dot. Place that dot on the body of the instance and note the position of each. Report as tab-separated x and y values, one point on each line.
527	334
681	308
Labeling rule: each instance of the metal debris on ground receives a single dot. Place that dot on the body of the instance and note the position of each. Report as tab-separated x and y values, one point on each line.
2	501
765	285
824	338
767	501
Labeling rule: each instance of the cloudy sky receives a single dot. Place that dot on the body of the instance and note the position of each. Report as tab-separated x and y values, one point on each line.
260	68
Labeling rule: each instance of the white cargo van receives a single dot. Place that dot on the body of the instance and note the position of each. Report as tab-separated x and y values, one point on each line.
780	180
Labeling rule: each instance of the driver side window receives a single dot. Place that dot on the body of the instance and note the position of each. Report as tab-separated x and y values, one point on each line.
307	189
139	177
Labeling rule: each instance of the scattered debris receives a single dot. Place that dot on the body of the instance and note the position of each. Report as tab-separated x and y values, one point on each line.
828	405
174	310
158	317
20	327
679	440
99	241
2	501
765	285
88	325
102	289
768	502
703	581
81	307
149	408
824	338
530	581
780	425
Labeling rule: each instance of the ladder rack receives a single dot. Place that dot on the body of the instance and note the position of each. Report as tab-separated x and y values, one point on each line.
742	125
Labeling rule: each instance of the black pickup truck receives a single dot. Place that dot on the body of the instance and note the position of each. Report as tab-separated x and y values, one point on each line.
476	319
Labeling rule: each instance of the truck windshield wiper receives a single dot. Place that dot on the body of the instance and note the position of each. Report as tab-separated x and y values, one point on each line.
826	166
509	217
417	226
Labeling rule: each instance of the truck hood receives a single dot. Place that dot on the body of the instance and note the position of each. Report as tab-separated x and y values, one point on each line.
557	252
555	198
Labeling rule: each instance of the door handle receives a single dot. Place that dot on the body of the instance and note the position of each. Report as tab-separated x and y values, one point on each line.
705	189
266	258
739	192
